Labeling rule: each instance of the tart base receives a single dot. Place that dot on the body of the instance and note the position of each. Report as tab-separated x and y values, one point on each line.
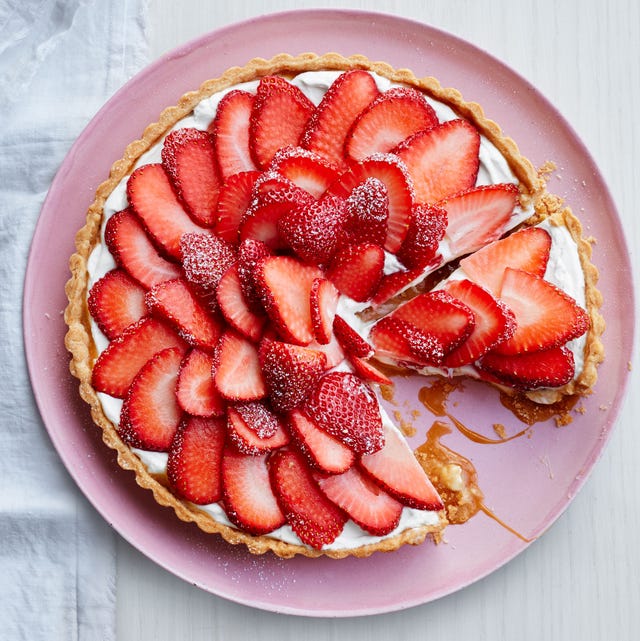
79	341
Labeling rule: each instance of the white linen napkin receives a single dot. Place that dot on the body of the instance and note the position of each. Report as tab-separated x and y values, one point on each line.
60	60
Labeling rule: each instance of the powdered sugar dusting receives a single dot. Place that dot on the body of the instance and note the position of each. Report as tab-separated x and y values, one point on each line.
258	418
297	152
205	259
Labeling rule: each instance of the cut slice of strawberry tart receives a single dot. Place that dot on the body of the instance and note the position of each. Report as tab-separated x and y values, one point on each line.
270	237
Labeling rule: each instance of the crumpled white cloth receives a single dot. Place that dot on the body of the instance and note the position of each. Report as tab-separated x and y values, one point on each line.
60	60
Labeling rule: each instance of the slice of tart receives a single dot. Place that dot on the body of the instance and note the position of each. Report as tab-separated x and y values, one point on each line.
519	314
270	237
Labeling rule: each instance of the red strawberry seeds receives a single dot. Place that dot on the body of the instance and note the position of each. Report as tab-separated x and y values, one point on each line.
344	406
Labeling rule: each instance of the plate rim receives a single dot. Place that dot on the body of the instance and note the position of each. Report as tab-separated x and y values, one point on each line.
151	69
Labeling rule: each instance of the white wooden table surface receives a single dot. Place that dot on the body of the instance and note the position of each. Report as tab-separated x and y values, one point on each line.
581	580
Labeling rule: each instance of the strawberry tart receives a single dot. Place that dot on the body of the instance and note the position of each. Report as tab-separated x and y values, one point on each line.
267	253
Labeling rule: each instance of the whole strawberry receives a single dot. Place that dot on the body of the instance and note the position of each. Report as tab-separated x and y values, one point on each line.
315	231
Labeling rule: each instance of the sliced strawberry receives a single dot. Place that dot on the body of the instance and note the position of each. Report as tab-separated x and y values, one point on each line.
230	129
314	231
115	302
290	372
493	322
118	365
368	213
235	308
196	392
324	302
546	316
279	116
150	406
427	227
275	181
397	471
174	301
188	157
478	216
205	258
250	252
404	342
345	406
194	467
549	368
323	451
284	285
438	314
249	500
442	160
305	169
311	515
368	505
132	250
356	270
237	373
367	372
527	249
391	338
153	200
259	419
332	351
327	128
351	342
392	172
260	221
233	201
391	118
253	429
393	284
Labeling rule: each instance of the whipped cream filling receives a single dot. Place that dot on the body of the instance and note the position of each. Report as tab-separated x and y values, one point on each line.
493	169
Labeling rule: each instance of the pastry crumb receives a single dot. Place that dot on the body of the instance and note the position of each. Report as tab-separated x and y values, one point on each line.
405	426
500	430
563	419
386	391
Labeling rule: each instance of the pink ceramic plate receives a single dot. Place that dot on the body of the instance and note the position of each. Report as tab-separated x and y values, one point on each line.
548	467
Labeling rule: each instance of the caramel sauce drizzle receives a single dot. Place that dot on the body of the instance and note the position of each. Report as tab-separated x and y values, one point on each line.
493	516
434	398
529	412
453	475
479	438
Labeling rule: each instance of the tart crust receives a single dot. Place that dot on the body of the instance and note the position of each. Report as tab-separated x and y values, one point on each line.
80	344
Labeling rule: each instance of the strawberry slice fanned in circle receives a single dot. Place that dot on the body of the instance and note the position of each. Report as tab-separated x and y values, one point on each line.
328	125
278	118
188	157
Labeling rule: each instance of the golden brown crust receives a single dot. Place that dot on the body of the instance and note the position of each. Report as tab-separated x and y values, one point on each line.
78	339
